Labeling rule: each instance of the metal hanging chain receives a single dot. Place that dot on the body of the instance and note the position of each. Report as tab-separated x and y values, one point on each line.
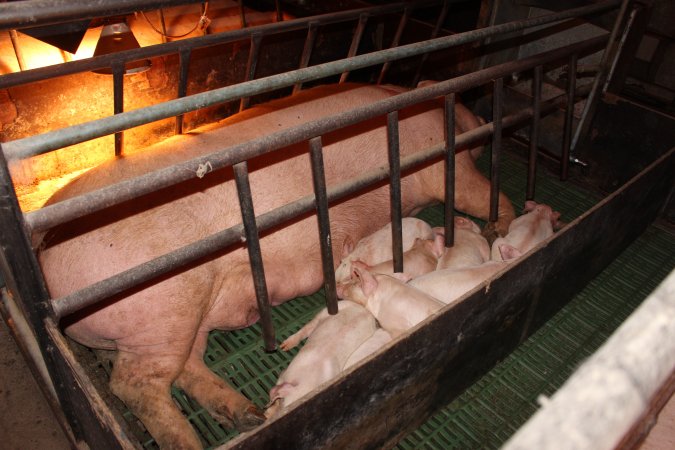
202	23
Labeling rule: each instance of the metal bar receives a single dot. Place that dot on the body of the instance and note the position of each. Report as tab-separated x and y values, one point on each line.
497	94
162	23
46	12
394	153
223	239
449	204
34	145
356	40
600	77
184	61
569	117
534	132
394	43
99	62
251	65
434	33
306	51
17	51
66	210
254	254
24	280
118	101
242	14
277	8
319	179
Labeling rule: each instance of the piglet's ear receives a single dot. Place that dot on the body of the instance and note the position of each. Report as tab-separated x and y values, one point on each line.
509	252
347	246
367	280
438	247
529	206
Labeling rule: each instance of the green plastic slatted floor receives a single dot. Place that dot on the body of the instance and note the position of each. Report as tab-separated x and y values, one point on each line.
490	411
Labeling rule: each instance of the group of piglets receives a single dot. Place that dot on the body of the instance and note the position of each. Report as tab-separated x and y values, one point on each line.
378	305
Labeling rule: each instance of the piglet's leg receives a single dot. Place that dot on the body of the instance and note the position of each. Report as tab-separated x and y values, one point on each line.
304	332
143	383
225	404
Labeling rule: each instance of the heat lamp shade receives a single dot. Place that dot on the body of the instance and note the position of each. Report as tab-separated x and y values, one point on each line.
117	37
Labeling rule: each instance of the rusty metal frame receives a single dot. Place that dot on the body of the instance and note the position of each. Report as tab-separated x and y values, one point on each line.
26	282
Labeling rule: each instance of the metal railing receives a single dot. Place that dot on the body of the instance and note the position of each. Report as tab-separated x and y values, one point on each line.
237	155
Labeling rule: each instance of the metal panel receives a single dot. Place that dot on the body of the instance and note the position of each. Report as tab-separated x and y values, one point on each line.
392	392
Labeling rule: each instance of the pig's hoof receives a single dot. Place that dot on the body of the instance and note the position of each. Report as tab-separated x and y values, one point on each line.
490	232
249	418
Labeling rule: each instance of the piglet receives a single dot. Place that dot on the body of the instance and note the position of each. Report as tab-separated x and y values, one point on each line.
331	340
448	285
470	248
421	258
396	305
376	248
378	340
528	230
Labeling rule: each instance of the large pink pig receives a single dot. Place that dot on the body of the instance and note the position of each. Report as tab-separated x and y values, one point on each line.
528	230
160	328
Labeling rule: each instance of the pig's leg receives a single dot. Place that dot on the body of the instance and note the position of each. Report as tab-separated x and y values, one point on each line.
225	404
472	196
144	384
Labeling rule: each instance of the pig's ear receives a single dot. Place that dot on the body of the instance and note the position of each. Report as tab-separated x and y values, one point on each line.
509	252
460	221
347	246
368	281
439	230
555	220
438	247
360	264
281	390
529	206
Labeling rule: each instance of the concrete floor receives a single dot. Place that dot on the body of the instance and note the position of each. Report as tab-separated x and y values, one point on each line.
27	422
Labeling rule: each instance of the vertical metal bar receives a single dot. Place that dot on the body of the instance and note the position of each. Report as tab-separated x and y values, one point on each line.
242	14
280	14
434	33
319	178
600	77
496	148
251	65
17	51
254	254
450	170
356	40
306	51
25	281
395	189
394	43
162	23
184	61
118	101
534	131
569	117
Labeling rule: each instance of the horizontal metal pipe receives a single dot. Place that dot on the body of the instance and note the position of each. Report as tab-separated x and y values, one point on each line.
35	145
66	210
32	13
234	235
167	48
